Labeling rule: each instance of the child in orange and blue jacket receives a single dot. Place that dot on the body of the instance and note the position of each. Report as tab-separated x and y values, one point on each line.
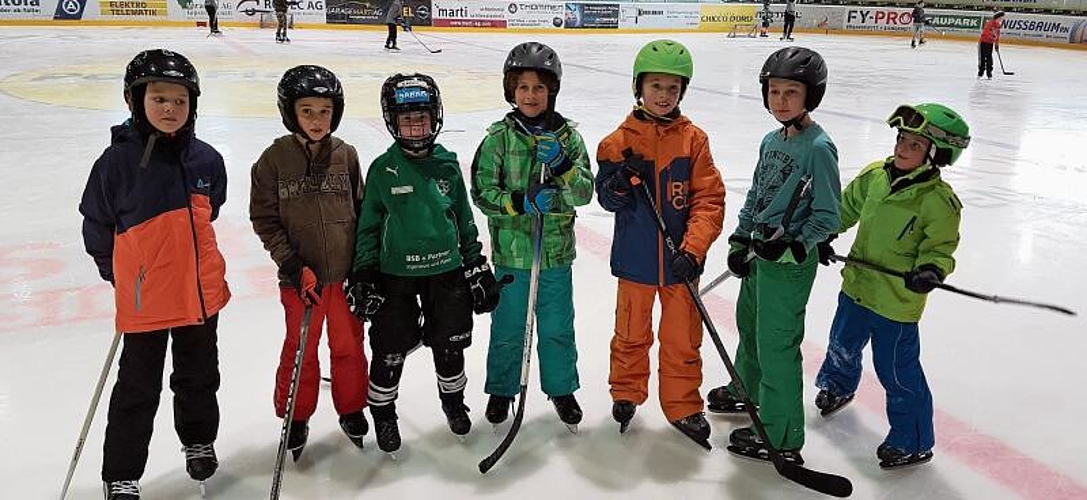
659	146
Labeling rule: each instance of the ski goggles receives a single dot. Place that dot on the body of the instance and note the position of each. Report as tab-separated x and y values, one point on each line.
909	119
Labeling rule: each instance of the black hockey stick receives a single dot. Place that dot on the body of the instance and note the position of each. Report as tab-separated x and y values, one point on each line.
530	319
432	51
822	482
292	391
1001	59
996	299
802	189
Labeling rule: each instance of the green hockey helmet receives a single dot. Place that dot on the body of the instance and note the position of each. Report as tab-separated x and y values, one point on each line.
949	133
663	56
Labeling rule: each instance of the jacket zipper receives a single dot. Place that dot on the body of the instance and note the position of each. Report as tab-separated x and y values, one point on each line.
195	244
139	285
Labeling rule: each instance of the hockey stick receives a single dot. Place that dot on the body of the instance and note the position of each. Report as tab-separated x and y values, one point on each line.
90	414
1001	59
996	299
432	51
802	189
277	474
530	318
822	482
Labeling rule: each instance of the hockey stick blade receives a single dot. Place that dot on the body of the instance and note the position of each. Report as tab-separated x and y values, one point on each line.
487	463
827	484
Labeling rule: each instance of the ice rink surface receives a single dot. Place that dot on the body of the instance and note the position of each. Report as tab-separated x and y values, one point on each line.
1008	381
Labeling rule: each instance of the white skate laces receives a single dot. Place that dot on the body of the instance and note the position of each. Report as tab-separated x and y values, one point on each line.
195	451
130	487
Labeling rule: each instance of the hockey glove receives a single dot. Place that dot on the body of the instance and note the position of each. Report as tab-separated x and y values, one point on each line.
549	152
774	251
924	278
540	198
303	280
484	288
364	295
738	263
825	250
685	266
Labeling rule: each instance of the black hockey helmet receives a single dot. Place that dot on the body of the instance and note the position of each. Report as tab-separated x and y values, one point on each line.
308	81
407	93
798	64
537	57
159	65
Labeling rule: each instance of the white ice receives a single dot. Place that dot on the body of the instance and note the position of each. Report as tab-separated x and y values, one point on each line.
1008	381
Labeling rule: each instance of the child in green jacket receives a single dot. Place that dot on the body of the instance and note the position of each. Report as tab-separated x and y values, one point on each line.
506	187
418	272
909	220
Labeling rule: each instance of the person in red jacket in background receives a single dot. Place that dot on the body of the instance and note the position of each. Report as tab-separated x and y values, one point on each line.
990	39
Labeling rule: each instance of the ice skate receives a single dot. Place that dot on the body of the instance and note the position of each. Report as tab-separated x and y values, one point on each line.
296	441
829	403
695	427
456	415
623	412
721	400
569	411
498	410
200	463
355	426
122	490
388	437
745	442
894	458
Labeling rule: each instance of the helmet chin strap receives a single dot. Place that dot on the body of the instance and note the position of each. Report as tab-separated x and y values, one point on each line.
796	122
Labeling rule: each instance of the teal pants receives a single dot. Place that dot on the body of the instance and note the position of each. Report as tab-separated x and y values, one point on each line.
554	335
770	318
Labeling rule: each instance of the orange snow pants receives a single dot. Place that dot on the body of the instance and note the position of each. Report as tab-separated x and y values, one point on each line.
680	364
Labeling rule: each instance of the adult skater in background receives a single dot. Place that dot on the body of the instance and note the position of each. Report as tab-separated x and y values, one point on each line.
280	7
918	15
212	6
394	15
767	17
990	40
147	213
790	20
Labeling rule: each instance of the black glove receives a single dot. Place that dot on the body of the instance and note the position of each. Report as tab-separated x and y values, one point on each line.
825	250
685	266
774	250
924	278
484	288
737	256
364	295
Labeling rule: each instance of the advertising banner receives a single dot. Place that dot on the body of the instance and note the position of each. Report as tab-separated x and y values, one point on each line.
678	16
467	14
24	9
1044	28
145	10
721	18
879	19
592	15
416	12
535	15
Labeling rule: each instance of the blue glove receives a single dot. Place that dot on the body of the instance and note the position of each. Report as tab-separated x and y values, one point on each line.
539	198
549	152
404	23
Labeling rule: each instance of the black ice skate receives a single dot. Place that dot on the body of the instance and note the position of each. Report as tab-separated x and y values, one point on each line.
569	411
388	436
745	442
122	490
695	427
498	410
296	441
456	414
623	412
200	463
894	458
721	400
829	403
355	426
